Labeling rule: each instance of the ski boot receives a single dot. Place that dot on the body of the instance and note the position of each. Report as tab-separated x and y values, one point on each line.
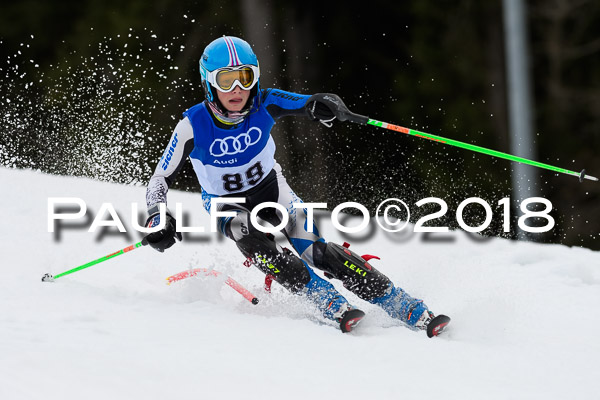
333	305
413	312
350	318
432	324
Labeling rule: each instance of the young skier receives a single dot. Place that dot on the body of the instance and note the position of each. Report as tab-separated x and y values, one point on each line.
227	138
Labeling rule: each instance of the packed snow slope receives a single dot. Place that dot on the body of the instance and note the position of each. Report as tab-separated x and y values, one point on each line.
524	315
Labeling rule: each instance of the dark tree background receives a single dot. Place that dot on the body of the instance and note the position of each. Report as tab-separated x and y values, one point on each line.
94	88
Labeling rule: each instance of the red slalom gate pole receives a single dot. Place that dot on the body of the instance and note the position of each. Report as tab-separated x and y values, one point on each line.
211	272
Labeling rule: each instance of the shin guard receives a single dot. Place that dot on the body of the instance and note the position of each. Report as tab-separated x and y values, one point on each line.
355	272
286	268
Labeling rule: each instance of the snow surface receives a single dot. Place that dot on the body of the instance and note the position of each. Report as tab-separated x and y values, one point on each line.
524	315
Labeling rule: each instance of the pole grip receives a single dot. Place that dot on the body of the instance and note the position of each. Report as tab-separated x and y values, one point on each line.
353	117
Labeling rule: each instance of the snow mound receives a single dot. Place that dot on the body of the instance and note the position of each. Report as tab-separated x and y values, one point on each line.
523	315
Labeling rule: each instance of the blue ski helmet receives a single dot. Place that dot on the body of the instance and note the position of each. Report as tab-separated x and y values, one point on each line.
228	53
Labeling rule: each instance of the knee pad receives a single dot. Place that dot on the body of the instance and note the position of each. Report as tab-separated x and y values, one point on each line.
355	272
286	268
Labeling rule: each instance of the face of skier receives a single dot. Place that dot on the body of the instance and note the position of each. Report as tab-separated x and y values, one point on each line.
234	100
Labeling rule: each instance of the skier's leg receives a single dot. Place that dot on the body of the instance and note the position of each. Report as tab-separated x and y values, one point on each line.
296	230
284	266
369	284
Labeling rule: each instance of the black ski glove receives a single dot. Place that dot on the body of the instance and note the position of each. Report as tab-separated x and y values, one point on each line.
164	238
325	107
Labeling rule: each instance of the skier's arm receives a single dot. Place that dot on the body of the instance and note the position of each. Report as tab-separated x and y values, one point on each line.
322	107
178	149
280	103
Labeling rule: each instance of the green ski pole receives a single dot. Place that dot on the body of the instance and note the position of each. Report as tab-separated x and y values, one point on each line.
50	278
361	119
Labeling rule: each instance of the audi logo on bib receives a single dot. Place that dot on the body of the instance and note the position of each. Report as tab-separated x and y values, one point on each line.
231	145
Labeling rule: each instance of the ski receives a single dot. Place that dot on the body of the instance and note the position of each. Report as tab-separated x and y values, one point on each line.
437	325
350	319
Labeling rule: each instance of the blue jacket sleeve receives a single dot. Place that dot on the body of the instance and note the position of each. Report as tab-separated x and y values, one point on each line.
280	103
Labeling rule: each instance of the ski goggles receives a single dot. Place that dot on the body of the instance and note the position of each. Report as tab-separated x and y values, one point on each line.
226	79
